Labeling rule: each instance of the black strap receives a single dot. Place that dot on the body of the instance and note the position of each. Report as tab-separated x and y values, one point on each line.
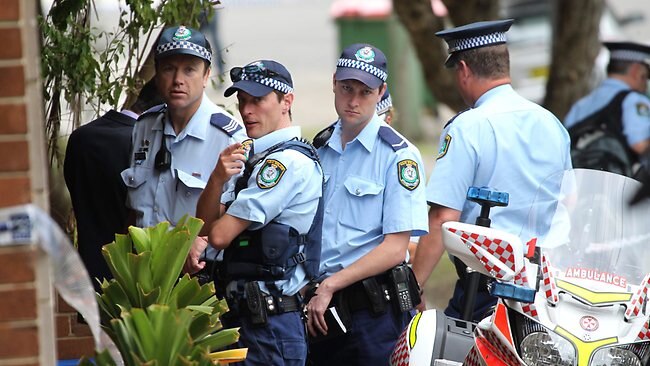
608	119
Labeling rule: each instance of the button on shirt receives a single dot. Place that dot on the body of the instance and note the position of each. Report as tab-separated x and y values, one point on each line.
506	143
158	196
292	201
635	109
364	199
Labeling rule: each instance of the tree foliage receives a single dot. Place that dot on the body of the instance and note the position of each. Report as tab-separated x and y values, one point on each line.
85	67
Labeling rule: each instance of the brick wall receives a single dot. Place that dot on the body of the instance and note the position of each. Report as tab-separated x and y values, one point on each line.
26	309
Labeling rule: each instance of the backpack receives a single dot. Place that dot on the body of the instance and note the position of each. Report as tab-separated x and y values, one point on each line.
597	142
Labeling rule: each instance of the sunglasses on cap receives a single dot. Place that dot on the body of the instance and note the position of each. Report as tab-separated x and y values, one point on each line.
255	70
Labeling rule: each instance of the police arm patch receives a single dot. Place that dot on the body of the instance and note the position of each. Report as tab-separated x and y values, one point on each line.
270	174
642	109
408	174
444	147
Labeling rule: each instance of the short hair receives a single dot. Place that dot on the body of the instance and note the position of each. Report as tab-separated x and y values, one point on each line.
147	98
619	66
280	95
487	62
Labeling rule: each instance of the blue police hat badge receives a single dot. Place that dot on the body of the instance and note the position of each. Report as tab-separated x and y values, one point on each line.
182	40
474	35
362	62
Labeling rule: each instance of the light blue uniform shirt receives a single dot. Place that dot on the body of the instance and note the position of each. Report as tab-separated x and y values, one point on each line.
367	195
635	109
167	196
292	200
506	143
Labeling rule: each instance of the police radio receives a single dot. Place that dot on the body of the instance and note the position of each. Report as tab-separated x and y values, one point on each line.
400	279
163	159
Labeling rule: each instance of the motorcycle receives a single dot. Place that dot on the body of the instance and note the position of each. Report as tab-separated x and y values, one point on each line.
572	285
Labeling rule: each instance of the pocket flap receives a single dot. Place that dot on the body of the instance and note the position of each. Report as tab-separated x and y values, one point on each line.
361	187
189	180
135	176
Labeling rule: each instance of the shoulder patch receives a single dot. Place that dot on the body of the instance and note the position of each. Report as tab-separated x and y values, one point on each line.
323	136
389	136
225	123
444	147
160	108
454	117
270	174
408	174
642	109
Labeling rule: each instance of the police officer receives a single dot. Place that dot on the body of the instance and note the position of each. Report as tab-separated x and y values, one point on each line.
176	145
502	141
628	70
374	201
385	108
271	228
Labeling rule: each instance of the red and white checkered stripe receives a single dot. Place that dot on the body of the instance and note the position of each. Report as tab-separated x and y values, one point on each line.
641	296
548	282
500	349
501	249
400	355
644	333
472	358
521	279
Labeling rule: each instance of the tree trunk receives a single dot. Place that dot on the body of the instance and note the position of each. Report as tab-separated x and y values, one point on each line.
575	47
419	20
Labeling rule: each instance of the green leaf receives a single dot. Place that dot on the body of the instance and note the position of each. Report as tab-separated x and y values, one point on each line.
140	238
220	340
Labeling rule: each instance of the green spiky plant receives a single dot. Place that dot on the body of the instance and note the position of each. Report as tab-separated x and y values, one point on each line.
154	317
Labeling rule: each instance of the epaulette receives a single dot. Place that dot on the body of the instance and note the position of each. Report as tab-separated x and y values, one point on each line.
323	136
160	108
225	123
454	117
389	136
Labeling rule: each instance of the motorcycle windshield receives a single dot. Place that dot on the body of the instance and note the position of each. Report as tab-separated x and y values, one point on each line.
586	228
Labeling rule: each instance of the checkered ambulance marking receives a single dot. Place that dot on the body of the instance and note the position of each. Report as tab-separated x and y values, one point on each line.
548	282
640	297
501	249
400	355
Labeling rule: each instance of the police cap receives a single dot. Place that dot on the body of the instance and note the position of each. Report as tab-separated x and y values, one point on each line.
182	40
474	35
385	104
629	51
362	62
259	78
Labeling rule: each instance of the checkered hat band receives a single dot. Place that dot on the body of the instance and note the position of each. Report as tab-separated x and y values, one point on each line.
363	66
384	105
629	55
271	83
462	44
185	45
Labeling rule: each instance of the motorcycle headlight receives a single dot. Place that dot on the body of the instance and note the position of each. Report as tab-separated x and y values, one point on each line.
615	356
542	348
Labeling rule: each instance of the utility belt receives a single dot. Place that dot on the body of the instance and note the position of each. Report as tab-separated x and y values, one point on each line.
246	299
395	289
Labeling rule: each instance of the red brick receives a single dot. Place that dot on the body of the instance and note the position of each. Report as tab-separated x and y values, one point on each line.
15	156
18	341
9	9
79	329
63	328
17	264
12	79
18	304
75	347
12	47
62	307
15	191
14	119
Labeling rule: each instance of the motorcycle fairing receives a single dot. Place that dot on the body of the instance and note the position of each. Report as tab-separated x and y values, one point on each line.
638	301
494	339
491	252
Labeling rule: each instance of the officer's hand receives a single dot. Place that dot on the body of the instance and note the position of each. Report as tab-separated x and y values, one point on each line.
192	264
316	311
422	306
231	162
